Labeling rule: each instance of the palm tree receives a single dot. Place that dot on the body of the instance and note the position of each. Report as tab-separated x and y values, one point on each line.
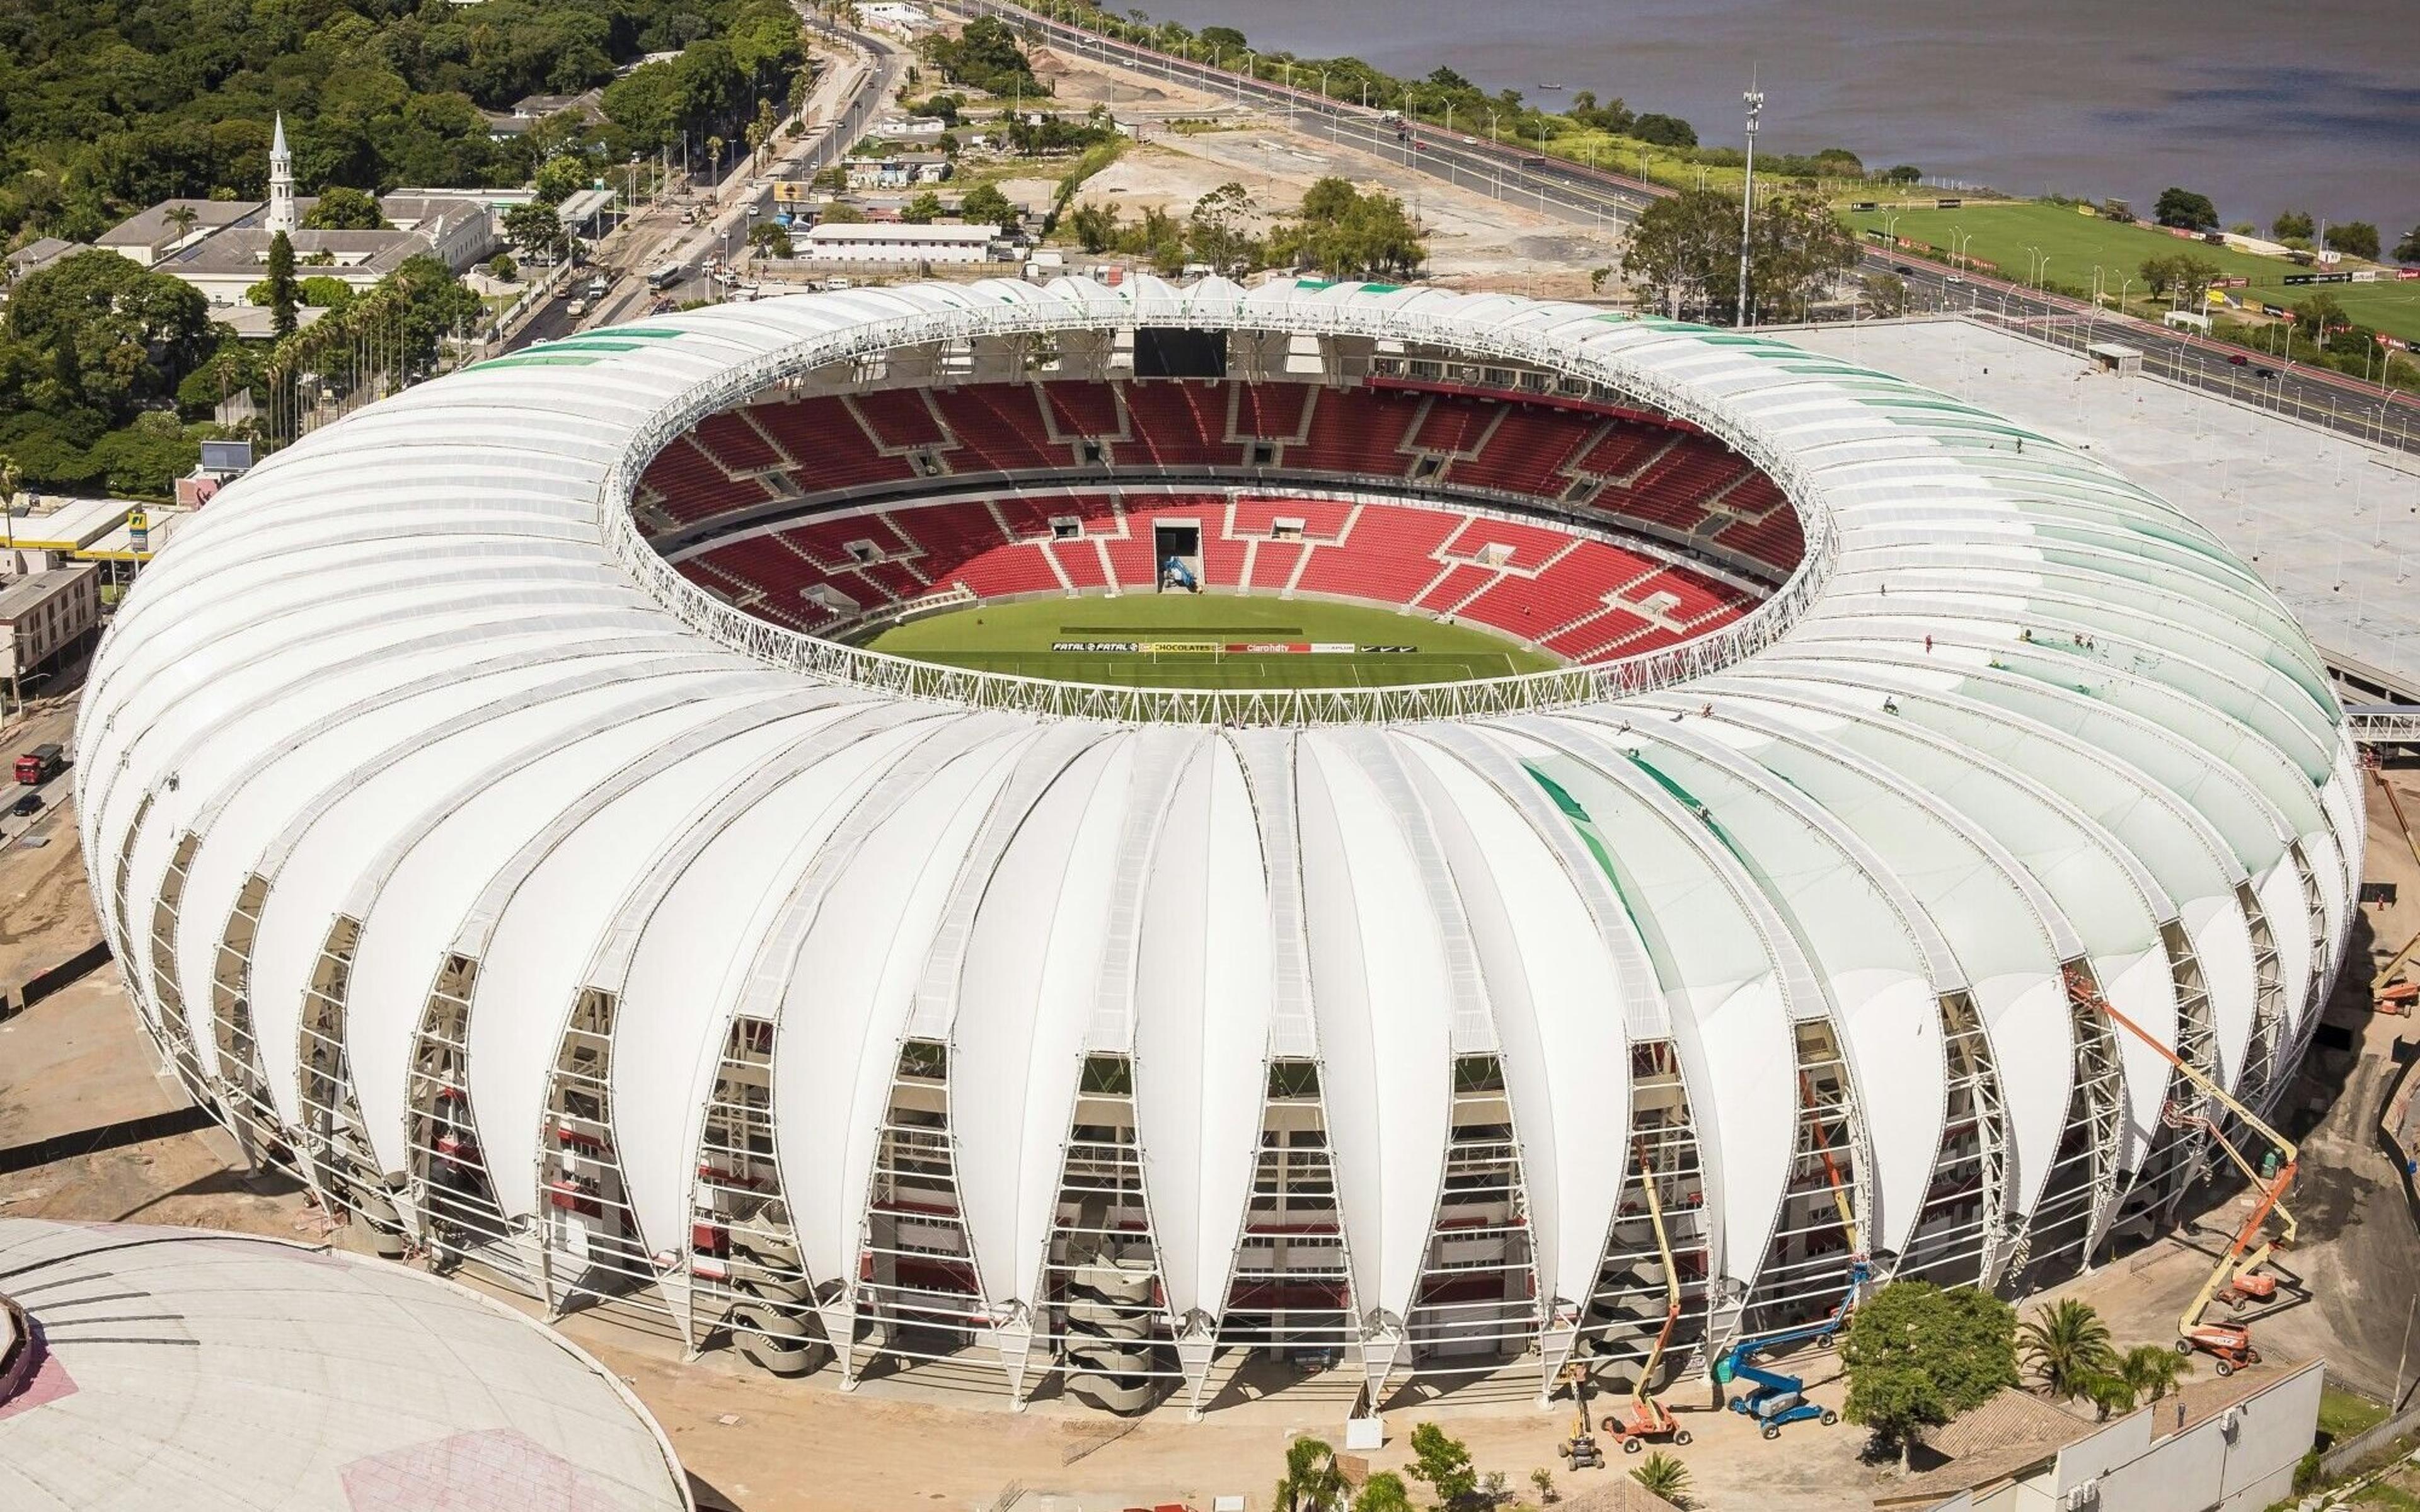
182	217
2152	1372
2065	1345
1663	1476
1313	1482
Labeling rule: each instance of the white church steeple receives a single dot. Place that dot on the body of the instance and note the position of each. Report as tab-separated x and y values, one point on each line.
281	182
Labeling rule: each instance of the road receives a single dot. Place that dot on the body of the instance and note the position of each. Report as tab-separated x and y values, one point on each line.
837	114
53	719
1599	197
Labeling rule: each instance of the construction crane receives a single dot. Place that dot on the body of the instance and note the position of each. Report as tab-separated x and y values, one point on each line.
2235	1275
1647	1418
1776	1400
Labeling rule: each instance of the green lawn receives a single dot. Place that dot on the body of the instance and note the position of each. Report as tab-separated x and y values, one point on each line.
1018	639
2342	1415
2001	234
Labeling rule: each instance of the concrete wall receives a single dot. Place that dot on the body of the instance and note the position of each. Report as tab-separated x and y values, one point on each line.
2141	1460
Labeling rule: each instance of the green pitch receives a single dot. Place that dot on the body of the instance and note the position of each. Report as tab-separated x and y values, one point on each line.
1017	638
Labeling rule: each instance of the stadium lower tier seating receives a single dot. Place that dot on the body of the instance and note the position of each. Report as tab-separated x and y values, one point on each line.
1663	480
1580	597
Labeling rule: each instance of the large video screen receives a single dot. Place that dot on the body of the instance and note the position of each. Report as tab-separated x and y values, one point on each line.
1180	352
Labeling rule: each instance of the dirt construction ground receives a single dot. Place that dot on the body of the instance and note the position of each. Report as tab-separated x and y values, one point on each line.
76	1064
1474	236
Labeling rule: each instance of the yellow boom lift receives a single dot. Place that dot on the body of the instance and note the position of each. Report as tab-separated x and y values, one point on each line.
2236	1277
1647	1418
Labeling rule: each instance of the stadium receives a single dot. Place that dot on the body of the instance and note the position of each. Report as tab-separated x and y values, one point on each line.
1121	837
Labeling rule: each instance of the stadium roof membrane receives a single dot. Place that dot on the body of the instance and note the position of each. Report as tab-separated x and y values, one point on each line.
418	676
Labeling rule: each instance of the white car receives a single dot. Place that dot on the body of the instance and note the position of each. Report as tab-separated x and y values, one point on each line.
576	308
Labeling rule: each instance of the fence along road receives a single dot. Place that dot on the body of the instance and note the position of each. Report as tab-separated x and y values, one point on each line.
1601	197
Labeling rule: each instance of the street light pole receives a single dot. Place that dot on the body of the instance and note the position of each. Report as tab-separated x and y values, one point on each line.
1754	100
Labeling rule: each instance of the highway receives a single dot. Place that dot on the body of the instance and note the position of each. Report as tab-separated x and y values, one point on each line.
837	114
1597	196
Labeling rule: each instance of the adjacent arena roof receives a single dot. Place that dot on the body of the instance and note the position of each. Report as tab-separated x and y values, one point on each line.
410	773
169	1367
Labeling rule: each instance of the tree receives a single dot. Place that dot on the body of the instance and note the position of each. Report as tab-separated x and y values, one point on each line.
1095	226
1886	294
1903	174
2064	1345
1216	232
2153	1371
921	210
1348	234
985	205
344	209
92	338
320	292
1663	130
1225	39
2355	239
2292	224
1683	251
1663	1476
1542	1480
2183	208
282	290
983	56
770	239
1443	1462
2408	250
558	178
1918	1356
2183	272
1799	250
1311	1483
181	217
503	268
842	215
2321	314
1384	1491
536	229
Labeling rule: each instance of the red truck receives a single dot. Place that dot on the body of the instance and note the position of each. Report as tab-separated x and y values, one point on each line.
38	765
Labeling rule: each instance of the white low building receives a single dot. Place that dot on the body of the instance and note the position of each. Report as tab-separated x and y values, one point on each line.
221	247
898	243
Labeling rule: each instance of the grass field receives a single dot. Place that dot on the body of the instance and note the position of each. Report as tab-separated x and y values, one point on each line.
1019	638
2001	233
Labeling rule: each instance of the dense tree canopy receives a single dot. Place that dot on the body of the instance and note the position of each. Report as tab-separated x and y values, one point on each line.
2183	208
91	341
344	209
109	105
1684	254
984	56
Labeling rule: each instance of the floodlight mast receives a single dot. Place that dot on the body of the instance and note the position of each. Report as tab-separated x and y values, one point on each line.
1754	100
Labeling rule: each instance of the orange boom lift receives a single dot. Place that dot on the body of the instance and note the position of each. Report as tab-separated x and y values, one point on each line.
2236	1277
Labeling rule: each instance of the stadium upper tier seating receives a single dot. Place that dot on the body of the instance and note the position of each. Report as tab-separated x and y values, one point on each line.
1582	597
1661	481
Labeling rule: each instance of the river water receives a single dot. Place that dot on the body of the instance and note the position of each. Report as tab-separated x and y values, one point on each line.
2311	105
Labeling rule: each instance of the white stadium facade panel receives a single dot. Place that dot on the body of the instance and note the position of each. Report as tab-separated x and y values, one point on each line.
555	916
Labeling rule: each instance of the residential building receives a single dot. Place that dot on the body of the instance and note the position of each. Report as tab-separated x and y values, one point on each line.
46	615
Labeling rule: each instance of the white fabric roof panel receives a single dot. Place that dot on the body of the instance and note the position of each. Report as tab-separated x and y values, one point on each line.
417	667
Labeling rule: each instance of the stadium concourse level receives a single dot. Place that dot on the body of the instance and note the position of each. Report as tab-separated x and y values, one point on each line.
823	513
